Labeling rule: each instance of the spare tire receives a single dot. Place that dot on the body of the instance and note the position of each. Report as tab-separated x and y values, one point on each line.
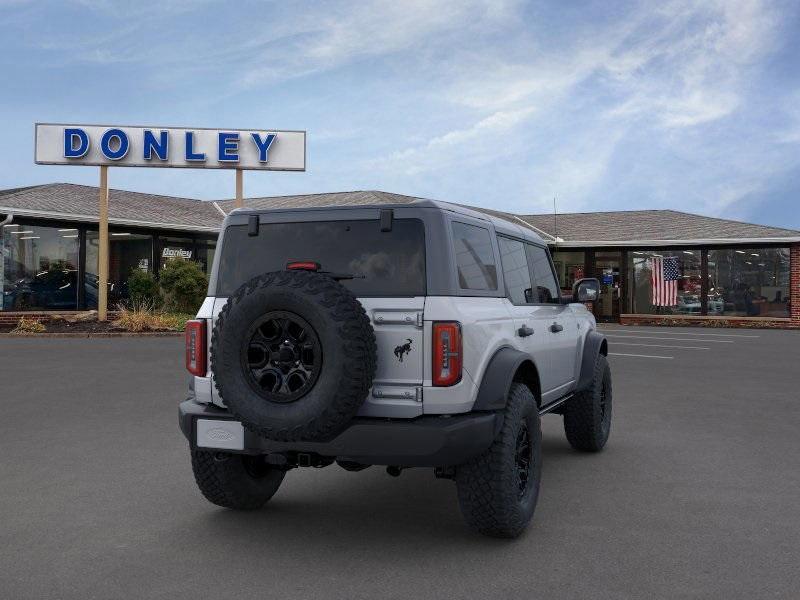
293	355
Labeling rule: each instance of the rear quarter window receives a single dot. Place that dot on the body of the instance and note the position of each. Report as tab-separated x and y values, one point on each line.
475	259
392	263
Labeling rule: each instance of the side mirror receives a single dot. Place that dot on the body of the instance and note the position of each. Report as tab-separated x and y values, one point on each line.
586	290
528	295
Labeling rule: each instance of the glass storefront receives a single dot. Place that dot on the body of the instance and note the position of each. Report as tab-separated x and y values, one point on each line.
205	253
667	282
747	282
127	251
607	268
570	266
39	268
44	267
177	247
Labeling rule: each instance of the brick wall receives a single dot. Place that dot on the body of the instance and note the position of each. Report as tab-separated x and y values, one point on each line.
710	321
794	283
12	318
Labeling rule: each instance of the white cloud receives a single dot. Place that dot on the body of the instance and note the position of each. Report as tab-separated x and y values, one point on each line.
474	144
374	28
680	67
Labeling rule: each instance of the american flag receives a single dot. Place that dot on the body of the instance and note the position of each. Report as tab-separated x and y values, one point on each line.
664	277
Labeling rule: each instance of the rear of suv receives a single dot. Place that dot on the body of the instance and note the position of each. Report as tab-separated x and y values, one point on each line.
413	334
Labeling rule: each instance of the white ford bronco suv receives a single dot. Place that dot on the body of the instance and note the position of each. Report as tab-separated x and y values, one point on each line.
406	334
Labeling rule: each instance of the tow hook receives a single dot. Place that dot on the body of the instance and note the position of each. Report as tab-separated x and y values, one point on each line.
394	470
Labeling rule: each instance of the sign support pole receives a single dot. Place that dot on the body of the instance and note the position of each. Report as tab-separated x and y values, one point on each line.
239	188
102	259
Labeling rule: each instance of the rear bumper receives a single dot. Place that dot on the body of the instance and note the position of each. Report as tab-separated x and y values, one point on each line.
427	441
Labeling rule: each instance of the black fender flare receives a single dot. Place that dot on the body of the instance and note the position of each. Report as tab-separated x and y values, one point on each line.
497	379
594	344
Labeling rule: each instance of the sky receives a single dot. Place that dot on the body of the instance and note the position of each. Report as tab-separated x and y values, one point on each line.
505	104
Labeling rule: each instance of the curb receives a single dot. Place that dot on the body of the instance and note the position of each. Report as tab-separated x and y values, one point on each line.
104	334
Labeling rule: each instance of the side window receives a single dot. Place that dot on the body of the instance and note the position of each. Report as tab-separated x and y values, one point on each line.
474	257
545	287
515	270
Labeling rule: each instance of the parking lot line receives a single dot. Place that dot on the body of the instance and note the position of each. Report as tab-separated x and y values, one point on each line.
652	337
736	335
639	355
660	346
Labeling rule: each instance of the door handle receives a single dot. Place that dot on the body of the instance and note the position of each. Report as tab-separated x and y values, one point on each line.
524	331
556	327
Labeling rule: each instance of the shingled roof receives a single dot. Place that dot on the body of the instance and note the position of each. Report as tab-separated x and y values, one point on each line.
620	228
72	202
635	227
623	228
357	198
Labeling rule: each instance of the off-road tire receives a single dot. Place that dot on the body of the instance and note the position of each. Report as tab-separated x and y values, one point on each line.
235	481
348	349
488	485
587	416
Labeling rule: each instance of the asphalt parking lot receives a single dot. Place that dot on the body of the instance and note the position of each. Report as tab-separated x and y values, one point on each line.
696	496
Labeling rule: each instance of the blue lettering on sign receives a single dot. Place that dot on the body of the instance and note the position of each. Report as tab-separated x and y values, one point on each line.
159	146
122	148
71	136
190	153
228	142
263	145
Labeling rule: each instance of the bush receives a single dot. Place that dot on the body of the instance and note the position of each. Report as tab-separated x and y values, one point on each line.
143	317
26	325
143	288
183	285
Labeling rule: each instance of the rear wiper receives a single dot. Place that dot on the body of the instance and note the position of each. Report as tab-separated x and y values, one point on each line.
341	276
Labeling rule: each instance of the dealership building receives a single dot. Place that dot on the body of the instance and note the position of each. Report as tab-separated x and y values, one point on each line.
721	271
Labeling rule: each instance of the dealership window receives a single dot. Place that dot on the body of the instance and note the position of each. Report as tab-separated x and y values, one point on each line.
570	266
748	282
39	268
474	257
205	254
666	282
177	248
128	251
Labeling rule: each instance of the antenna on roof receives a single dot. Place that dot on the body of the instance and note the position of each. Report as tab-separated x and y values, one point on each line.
555	222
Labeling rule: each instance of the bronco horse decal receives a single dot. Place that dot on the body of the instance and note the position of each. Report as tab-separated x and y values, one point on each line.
402	350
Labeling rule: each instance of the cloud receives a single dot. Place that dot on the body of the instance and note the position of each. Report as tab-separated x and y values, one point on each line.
374	28
578	103
631	104
467	146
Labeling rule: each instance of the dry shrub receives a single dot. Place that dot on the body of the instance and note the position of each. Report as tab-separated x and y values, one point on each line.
29	325
142	316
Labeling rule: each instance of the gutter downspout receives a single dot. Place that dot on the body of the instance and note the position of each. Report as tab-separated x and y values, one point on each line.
219	208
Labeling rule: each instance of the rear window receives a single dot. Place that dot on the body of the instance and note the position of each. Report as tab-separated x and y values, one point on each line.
392	262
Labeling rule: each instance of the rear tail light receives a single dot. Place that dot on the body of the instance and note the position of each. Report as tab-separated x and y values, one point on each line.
447	353
196	347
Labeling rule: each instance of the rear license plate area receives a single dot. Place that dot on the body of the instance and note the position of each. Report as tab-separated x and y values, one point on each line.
220	435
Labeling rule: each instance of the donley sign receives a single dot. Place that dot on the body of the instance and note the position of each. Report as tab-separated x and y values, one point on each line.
178	147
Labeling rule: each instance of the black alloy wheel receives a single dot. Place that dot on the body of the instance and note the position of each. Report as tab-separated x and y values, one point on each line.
281	356
522	459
